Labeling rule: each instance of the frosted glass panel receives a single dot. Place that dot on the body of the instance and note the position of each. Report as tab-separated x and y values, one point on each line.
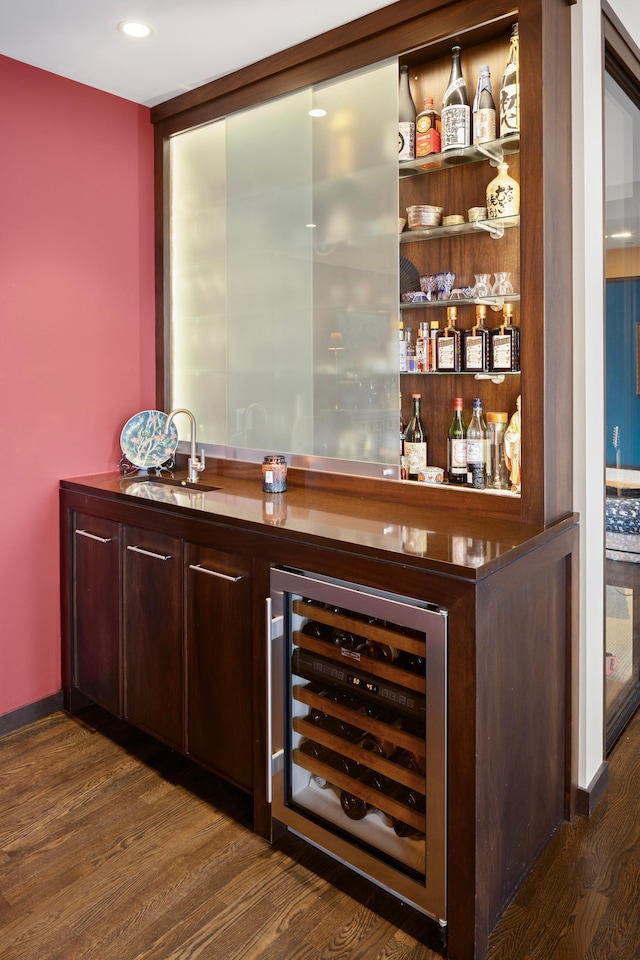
355	265
284	273
270	276
198	280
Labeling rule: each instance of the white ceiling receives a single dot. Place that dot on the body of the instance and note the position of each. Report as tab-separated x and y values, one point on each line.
193	41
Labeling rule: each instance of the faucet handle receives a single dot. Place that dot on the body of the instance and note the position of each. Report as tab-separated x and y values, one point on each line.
199	461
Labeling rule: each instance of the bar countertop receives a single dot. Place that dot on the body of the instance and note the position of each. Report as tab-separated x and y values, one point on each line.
445	540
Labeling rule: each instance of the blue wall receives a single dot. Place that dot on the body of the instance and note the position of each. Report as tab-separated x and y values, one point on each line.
622	400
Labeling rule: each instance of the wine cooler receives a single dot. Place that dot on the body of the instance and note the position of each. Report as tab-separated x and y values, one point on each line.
357	729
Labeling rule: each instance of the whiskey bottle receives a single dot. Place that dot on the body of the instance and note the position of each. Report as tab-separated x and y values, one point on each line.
476	344
505	343
411	350
457	446
456	112
449	351
427	130
406	118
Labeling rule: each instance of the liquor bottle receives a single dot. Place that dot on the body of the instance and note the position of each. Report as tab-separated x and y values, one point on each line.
427	130
476	344
434	327
403	427
477	448
406	119
422	348
402	349
415	440
456	112
411	350
457	446
484	109
505	343
449	344
510	90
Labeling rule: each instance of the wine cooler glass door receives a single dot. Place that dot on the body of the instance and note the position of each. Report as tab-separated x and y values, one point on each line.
361	741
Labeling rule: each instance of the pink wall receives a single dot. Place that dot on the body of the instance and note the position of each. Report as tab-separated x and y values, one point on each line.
76	332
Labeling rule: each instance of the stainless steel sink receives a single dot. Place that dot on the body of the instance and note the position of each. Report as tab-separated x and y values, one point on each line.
197	487
181	493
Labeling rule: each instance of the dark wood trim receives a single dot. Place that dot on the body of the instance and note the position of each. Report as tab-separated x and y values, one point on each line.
589	797
619	44
31	712
545	171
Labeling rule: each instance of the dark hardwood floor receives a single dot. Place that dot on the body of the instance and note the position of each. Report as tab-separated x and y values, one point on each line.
113	847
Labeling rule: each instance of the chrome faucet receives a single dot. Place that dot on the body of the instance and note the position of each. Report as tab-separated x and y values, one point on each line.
196	463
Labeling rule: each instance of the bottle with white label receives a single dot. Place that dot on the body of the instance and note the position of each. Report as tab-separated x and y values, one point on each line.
510	89
477	448
505	343
448	344
476	344
484	109
406	119
455	118
415	441
402	349
457	446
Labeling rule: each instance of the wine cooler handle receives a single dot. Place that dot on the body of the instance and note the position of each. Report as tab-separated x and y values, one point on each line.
92	536
213	573
149	553
271	621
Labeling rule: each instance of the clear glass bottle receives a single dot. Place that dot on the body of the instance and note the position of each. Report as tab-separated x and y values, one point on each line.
422	348
477	448
434	327
497	476
484	109
402	349
406	118
449	344
457	446
505	343
510	89
411	350
456	112
415	440
476	344
427	130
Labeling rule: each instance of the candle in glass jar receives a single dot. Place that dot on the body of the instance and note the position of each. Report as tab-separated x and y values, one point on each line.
274	474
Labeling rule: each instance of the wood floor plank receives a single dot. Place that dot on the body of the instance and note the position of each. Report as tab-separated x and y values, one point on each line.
113	847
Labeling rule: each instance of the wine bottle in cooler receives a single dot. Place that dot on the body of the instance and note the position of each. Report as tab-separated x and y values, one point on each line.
354	806
406	118
413	799
415	441
456	113
457	446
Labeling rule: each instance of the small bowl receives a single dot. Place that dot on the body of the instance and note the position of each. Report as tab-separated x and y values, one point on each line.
431	475
452	220
423	215
476	213
401	224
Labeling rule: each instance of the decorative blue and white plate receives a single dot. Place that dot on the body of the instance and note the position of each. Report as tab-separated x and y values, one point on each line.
147	441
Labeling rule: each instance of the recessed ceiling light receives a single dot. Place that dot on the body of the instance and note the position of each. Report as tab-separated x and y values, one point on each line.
317	112
133	29
621	236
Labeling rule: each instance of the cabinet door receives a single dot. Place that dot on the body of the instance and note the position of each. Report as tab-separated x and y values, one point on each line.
97	662
154	662
219	663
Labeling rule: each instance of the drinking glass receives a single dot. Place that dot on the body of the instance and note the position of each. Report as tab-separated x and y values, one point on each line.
483	285
502	286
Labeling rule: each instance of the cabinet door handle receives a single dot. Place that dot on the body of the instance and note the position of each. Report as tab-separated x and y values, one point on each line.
213	573
92	536
149	553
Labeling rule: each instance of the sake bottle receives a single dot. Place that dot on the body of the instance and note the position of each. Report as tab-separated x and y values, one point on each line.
510	90
484	109
406	119
455	117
